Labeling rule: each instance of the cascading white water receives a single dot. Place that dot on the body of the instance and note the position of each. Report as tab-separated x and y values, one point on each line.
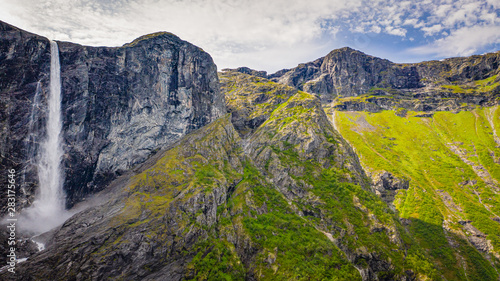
47	211
31	139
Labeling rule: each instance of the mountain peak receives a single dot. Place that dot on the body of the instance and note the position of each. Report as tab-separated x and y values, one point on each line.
351	51
164	34
247	70
345	49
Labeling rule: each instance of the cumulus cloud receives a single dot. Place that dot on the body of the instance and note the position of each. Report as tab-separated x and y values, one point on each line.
395	31
462	42
431	30
233	30
220	27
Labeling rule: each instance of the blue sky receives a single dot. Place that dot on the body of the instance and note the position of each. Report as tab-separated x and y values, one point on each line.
273	34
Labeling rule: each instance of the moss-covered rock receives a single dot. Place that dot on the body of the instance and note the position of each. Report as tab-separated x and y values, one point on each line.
251	99
289	201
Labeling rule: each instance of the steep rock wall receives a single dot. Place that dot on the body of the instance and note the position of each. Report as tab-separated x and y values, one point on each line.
119	105
349	73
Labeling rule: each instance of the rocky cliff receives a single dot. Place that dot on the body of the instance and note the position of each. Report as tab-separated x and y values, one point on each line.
362	82
120	105
289	200
288	185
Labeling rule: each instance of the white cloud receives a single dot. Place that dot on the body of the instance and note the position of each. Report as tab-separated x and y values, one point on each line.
234	26
395	31
376	29
411	22
462	42
429	31
236	29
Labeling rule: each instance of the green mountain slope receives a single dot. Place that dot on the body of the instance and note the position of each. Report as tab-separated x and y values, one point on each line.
310	165
285	200
451	161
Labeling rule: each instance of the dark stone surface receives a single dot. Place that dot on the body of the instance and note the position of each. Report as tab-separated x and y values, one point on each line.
24	60
119	105
347	73
249	71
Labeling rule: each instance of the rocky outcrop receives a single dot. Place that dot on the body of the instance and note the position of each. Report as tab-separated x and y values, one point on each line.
426	86
249	71
251	99
343	72
152	222
119	105
476	237
427	100
386	186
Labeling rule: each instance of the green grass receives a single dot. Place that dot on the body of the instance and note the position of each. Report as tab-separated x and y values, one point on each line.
487	84
216	259
291	248
479	86
438	155
457	89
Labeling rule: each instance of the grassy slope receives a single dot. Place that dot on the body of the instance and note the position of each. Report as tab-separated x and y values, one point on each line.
479	86
298	146
259	231
297	214
438	155
252	98
328	203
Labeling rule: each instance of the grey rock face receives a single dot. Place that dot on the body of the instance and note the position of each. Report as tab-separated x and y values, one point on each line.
152	244
477	238
386	181
386	185
24	61
249	71
343	72
348	73
122	104
119	105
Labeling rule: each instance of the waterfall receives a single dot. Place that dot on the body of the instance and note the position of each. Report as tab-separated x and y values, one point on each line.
31	140
47	211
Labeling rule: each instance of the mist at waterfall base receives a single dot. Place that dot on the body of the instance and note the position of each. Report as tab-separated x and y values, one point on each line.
48	211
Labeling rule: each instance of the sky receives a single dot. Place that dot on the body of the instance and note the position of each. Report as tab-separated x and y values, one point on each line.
273	34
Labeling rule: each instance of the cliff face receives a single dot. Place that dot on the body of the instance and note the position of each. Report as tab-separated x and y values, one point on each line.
119	105
122	104
24	60
428	86
342	72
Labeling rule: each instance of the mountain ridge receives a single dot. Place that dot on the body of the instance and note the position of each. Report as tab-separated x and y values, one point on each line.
277	183
374	84
347	49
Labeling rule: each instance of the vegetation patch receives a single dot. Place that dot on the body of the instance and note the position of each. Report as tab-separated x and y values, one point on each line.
450	162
